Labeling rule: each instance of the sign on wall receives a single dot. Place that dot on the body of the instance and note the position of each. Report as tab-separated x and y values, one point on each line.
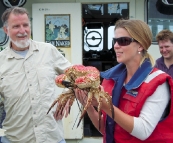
57	29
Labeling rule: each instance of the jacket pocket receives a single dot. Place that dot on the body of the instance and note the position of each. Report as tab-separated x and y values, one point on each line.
129	104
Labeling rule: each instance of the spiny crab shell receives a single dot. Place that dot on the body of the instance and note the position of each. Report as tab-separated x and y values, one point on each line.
83	77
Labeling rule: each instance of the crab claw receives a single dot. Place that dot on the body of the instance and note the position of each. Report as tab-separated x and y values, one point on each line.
67	84
59	79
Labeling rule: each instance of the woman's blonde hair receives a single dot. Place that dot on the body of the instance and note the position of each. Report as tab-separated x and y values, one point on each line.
139	31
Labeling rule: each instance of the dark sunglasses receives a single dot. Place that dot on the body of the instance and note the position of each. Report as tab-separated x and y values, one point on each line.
123	41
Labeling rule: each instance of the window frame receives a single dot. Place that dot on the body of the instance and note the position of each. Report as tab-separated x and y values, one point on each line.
157	20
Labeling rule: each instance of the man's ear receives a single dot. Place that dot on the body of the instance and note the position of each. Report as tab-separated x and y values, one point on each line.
5	29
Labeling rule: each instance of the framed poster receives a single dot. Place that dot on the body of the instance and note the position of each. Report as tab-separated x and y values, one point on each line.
3	36
57	30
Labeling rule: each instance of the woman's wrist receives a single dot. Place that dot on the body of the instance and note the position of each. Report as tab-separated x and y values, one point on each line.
107	108
90	109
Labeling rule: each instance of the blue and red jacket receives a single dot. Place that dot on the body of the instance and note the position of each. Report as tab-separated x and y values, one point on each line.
134	94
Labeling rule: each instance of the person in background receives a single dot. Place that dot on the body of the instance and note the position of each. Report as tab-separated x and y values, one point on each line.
165	42
27	72
142	95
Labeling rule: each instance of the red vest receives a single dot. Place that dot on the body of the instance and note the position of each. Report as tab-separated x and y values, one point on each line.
163	133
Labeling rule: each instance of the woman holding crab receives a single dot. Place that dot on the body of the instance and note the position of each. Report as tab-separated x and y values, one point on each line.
141	95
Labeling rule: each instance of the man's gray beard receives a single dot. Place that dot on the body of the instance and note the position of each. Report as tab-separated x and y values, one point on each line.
22	43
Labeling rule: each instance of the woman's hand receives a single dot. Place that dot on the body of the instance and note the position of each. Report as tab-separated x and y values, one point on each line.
82	96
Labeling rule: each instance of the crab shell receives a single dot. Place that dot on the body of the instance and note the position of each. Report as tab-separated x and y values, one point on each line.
90	80
84	76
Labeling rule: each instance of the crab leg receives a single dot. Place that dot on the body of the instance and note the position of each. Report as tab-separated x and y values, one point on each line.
62	100
69	96
108	99
99	111
71	102
52	105
89	100
97	95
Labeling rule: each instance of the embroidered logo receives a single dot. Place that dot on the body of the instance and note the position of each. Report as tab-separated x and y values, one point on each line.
132	93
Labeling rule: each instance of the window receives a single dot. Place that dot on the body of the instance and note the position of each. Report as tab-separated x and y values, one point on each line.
159	16
98	18
93	39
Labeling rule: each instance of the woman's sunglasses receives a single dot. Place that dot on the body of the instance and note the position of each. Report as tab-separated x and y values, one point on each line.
123	41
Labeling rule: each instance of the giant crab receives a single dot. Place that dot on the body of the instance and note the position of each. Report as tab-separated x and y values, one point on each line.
86	78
